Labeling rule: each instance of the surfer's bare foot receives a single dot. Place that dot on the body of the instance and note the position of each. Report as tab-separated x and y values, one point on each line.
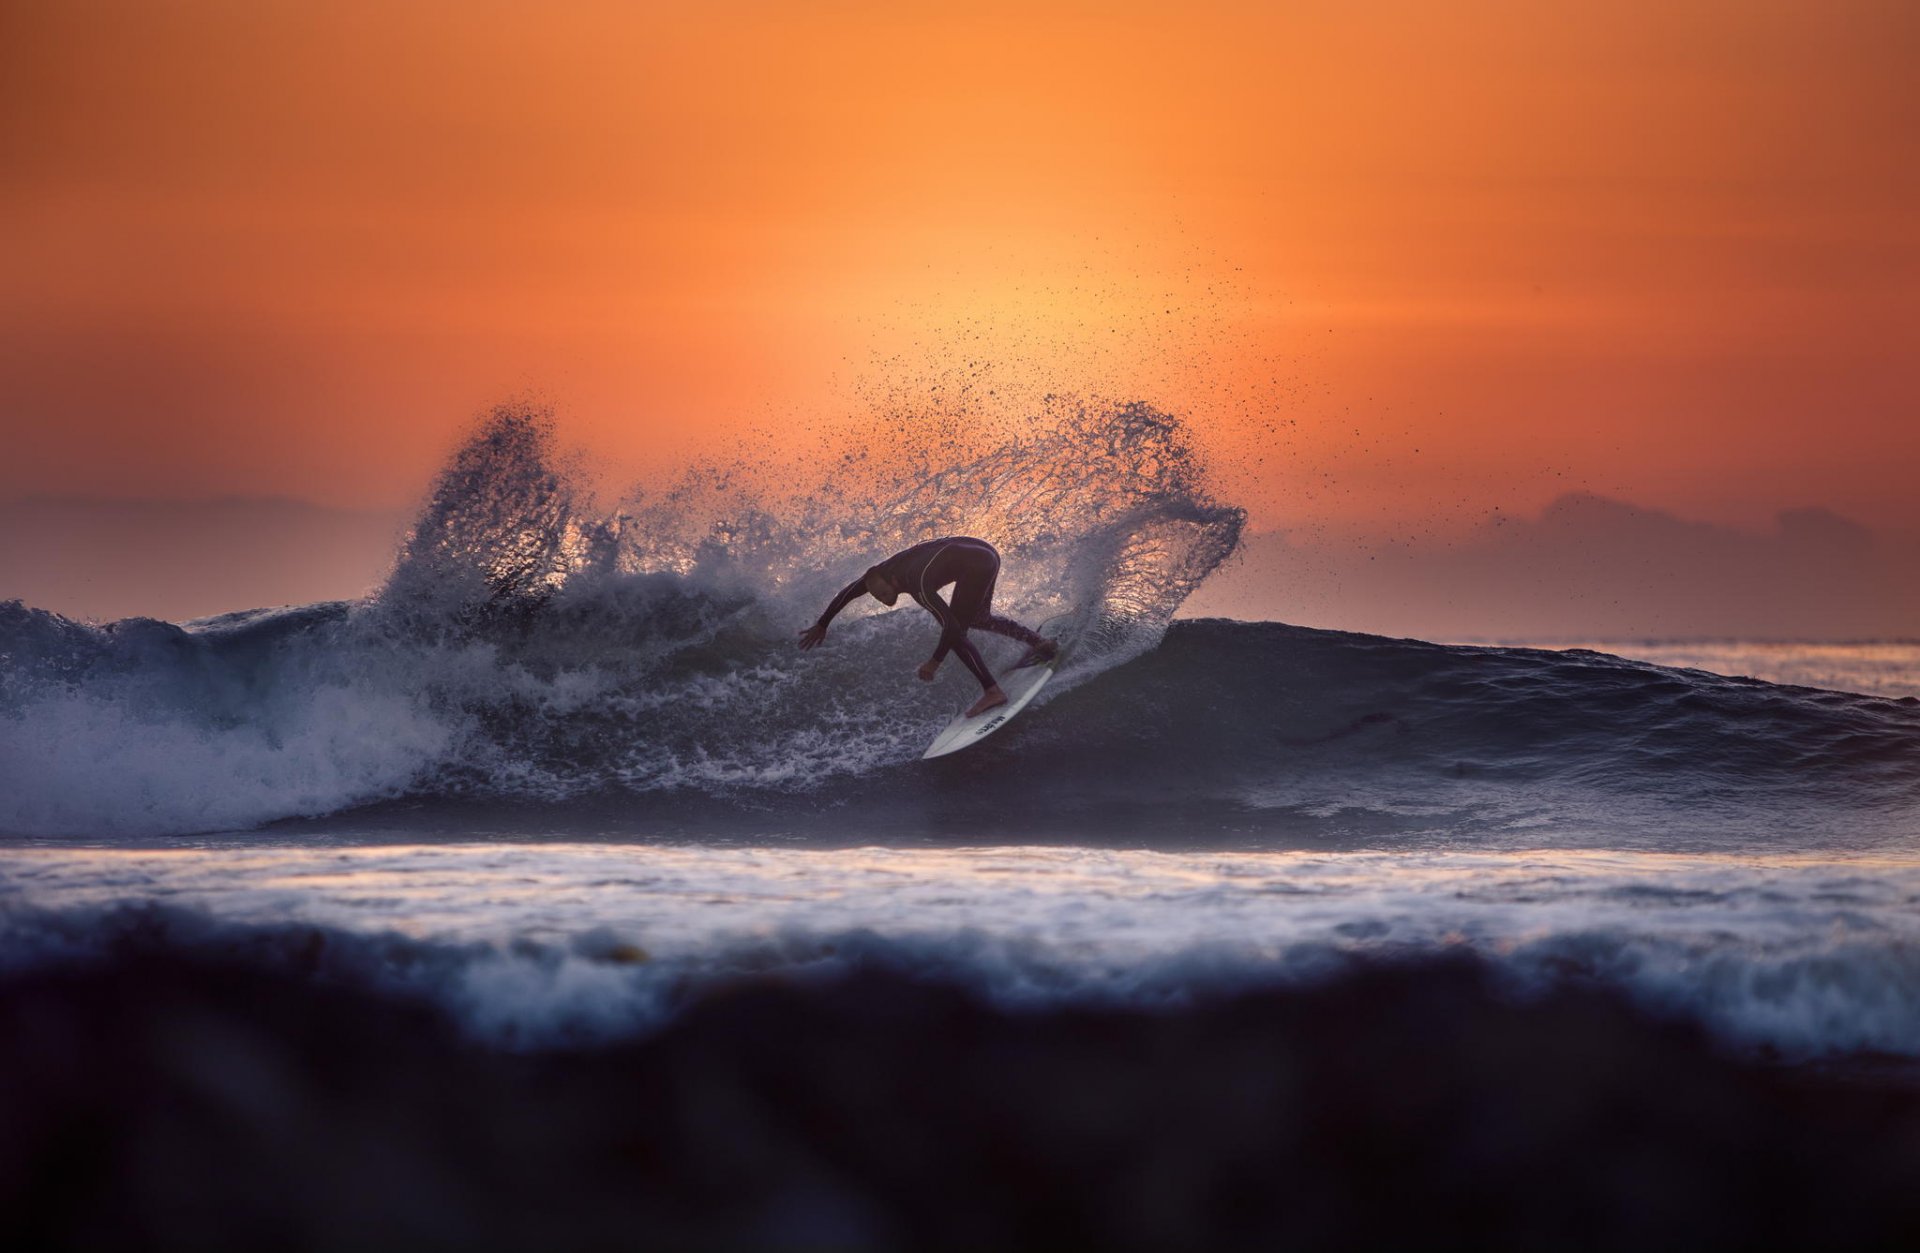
992	698
1039	654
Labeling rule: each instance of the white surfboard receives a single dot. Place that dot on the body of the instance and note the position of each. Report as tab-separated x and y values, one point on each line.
1020	686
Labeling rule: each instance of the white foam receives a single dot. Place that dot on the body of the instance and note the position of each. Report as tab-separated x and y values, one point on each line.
86	762
543	944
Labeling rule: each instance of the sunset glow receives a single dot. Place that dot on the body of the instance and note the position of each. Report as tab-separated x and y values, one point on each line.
836	624
1666	253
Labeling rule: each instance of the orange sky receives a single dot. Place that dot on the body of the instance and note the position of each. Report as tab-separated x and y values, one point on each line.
1663	251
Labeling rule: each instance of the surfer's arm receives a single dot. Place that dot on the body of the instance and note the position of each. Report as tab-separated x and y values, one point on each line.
818	631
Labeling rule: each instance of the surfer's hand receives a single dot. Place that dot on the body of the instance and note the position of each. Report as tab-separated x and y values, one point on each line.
927	671
811	637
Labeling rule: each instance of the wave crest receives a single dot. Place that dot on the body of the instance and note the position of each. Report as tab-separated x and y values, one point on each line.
528	645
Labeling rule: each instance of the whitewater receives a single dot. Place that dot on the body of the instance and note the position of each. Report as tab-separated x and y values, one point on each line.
566	774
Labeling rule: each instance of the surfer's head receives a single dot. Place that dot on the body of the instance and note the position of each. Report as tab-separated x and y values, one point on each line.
881	588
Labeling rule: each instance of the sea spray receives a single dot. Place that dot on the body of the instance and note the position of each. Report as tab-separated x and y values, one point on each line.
534	650
529	647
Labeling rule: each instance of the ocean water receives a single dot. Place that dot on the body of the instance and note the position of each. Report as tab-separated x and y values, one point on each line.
1871	667
567	773
544	945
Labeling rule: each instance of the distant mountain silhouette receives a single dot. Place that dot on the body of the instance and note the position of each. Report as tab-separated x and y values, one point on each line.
1587	567
1590	567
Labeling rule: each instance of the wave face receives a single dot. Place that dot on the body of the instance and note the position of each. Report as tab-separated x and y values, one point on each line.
528	647
529	652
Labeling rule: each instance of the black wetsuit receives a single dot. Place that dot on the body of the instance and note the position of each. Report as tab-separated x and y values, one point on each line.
972	566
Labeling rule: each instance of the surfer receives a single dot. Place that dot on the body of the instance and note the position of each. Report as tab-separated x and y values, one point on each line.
972	566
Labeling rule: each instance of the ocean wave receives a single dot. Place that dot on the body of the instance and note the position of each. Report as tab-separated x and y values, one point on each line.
531	652
1393	1104
1232	731
527	646
1851	992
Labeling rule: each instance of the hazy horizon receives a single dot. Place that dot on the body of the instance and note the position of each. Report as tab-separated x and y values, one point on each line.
1586	568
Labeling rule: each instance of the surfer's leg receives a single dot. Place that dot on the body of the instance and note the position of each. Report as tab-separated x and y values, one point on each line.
1011	629
973	595
1039	647
973	604
990	693
953	638
987	620
972	588
970	658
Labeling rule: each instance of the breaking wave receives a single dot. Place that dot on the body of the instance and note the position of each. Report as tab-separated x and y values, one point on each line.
1846	993
530	650
530	646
